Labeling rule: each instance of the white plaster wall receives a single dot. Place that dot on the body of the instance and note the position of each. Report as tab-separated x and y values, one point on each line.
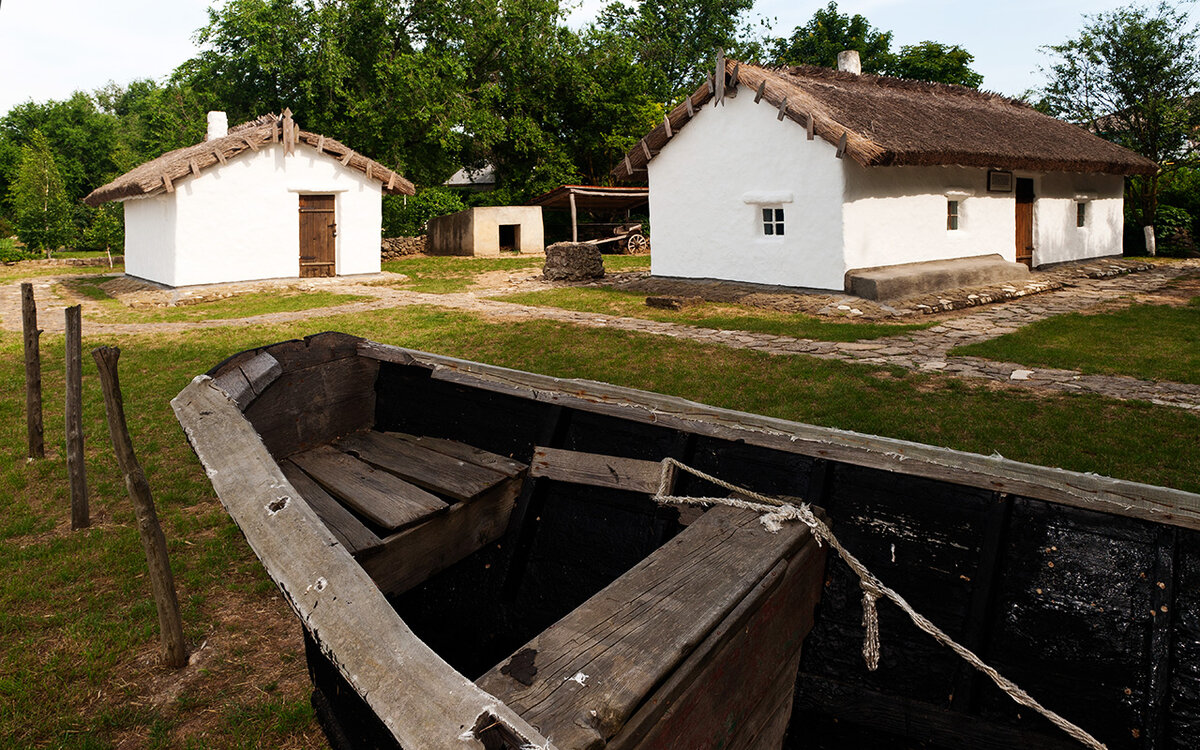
898	215
700	225
1056	238
240	221
150	238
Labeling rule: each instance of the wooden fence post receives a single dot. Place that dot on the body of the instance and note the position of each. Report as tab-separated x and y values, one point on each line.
33	373
74	417
154	544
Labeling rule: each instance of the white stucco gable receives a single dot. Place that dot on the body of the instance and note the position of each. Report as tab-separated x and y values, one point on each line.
708	188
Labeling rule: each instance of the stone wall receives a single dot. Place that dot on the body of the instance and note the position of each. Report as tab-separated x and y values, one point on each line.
573	261
392	248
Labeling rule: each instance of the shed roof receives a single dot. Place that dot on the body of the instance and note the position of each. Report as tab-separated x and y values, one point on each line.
159	175
593	197
882	121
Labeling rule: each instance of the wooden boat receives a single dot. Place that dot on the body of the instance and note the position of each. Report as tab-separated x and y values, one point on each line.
477	561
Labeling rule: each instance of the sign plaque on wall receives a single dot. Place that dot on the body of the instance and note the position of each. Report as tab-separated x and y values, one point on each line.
1000	182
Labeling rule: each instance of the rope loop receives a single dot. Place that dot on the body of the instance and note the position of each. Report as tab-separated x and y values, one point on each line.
774	512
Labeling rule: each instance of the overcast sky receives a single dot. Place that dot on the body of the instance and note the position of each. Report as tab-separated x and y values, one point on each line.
50	48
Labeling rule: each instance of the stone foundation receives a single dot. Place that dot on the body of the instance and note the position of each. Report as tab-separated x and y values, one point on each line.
573	261
391	248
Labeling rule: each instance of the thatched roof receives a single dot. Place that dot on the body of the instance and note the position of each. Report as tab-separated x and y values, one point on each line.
881	121
159	175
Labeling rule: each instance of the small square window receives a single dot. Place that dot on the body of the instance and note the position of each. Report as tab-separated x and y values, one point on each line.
772	222
1081	214
952	215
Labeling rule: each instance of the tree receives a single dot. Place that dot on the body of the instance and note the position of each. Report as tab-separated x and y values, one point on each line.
107	229
1132	77
829	32
931	61
42	212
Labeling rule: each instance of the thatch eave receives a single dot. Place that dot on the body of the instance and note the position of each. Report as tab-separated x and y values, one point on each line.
162	174
880	121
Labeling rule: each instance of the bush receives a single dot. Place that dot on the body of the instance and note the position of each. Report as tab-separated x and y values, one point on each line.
9	252
401	220
1173	232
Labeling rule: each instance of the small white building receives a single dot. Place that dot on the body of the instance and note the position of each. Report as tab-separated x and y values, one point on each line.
800	177
262	200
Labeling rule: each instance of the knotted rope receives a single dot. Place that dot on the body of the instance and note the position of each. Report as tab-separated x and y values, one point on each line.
775	512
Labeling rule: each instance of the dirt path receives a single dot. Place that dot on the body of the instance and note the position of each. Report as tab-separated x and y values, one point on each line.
925	350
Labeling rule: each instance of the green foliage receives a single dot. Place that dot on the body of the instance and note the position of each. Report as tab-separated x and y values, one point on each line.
9	252
673	41
829	32
930	61
107	228
1131	76
406	217
42	214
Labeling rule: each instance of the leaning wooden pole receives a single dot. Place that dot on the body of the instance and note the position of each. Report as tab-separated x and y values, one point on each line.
33	373
162	582
74	418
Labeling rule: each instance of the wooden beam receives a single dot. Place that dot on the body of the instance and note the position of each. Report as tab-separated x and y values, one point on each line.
691	111
631	474
195	168
250	142
166	178
422	466
574	216
424	703
321	144
33	373
346	158
733	79
841	147
391	181
76	468
810	125
782	109
628	165
667	125
719	79
762	87
343	524
154	544
370	169
385	499
220	154
646	150
469	453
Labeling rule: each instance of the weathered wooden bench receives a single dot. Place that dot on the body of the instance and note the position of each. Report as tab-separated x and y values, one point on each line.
405	506
684	649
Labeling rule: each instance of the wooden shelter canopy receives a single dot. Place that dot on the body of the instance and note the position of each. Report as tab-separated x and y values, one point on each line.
593	198
159	175
882	121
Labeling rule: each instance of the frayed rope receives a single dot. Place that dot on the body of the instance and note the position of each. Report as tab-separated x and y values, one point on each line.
775	512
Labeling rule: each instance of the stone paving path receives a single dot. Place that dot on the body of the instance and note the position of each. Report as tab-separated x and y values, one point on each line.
925	350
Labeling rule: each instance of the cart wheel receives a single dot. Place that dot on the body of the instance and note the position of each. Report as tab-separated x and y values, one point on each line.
638	243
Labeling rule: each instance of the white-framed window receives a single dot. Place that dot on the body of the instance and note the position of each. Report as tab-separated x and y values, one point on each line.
772	221
953	214
1081	213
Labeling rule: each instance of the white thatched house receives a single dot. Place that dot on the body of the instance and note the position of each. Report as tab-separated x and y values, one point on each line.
262	200
803	176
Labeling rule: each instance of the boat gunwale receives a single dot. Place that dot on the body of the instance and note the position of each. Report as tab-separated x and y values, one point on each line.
994	473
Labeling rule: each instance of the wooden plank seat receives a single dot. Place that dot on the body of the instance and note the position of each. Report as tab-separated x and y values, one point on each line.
615	660
387	480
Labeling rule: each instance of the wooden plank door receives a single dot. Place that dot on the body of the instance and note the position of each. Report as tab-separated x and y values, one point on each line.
1025	221
318	227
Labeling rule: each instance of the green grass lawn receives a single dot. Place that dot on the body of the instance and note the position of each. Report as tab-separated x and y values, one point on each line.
78	630
240	306
1154	342
13	273
448	274
710	315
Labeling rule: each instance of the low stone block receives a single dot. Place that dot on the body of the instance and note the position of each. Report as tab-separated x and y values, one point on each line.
573	261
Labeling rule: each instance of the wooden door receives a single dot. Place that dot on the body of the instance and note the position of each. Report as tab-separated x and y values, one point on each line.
317	231
1025	221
